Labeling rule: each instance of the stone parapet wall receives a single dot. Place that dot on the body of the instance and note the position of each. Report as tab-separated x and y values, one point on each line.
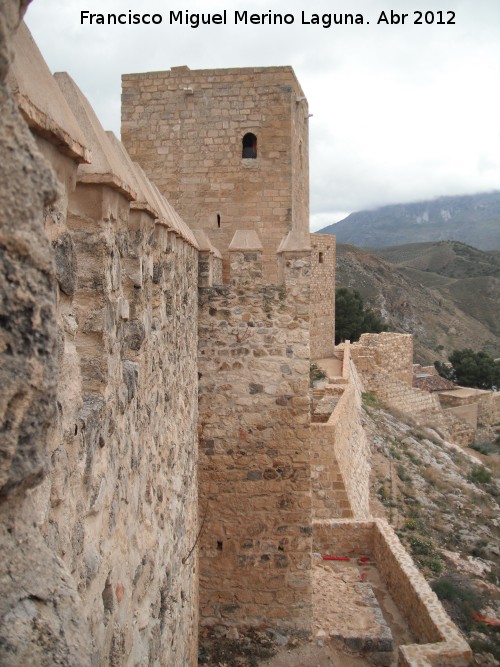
352	451
41	616
323	259
112	517
128	384
440	642
255	488
340	464
390	353
374	360
398	395
489	408
329	498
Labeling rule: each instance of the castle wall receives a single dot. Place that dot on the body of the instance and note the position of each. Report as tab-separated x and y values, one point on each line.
387	352
41	619
489	408
116	513
186	128
255	495
340	465
121	508
323	259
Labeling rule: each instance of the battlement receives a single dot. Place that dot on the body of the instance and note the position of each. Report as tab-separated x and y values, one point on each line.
228	148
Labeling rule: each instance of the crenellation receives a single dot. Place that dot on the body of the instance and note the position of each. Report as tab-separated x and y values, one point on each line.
220	163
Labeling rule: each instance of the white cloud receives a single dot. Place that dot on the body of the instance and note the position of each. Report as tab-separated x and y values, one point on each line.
400	112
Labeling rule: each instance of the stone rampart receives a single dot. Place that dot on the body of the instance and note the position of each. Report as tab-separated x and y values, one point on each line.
255	488
41	615
117	509
390	353
340	465
323	258
398	395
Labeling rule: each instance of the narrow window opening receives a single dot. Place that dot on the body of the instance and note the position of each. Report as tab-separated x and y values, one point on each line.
218	221
249	146
320	258
219	546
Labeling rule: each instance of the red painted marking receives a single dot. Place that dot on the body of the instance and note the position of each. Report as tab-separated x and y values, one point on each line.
327	557
363	559
482	619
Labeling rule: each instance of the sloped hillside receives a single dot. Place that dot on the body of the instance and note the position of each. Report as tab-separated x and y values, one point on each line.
447	258
443	503
472	219
440	311
466	275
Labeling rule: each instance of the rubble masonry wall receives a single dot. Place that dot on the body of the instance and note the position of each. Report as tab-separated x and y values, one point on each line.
255	493
99	475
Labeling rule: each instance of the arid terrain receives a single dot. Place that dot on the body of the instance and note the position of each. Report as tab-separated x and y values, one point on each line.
445	293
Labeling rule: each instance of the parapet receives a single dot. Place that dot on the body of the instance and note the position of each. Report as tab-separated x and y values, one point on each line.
295	241
40	100
245	240
106	167
209	261
138	181
245	258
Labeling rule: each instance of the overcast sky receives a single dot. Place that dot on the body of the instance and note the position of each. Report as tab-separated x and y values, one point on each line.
400	112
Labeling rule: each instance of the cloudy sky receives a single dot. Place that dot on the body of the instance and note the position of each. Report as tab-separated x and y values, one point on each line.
401	112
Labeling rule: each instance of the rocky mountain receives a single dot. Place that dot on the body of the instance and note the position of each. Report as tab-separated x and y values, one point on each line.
472	219
445	293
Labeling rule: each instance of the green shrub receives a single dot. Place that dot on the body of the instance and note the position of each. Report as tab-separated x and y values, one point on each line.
370	399
402	473
382	493
315	374
479	475
421	546
459	599
436	564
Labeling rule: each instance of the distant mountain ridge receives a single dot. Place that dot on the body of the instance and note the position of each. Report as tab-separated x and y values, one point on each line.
471	219
445	293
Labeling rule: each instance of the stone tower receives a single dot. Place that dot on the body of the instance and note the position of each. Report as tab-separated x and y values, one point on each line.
228	148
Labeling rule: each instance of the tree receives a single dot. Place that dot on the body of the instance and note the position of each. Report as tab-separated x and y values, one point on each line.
471	369
352	318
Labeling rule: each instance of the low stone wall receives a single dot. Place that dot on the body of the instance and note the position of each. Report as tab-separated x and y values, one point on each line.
340	467
398	395
329	491
352	451
441	644
390	353
350	538
489	408
466	413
